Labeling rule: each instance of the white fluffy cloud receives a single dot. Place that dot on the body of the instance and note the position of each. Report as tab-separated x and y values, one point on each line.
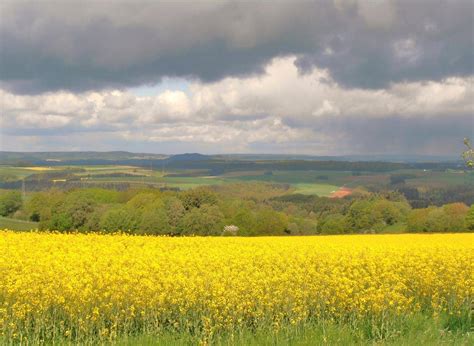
306	112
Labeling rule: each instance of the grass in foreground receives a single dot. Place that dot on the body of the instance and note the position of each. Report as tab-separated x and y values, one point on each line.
413	330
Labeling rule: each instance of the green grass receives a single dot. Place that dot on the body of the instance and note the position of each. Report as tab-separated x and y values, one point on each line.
17	225
438	179
192	182
396	228
321	183
405	330
315	189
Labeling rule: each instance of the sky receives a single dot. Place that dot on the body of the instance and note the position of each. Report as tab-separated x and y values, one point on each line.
336	77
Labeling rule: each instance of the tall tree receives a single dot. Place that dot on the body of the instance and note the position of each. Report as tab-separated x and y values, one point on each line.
468	154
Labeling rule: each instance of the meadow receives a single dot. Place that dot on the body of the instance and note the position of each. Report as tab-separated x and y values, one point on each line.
310	182
18	225
91	288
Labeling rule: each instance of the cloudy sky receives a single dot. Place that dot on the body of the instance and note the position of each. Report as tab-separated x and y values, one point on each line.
313	77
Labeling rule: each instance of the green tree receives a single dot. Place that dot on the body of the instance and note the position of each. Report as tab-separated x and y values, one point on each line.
456	214
78	208
195	198
417	220
35	206
362	216
448	218
270	222
437	220
391	212
142	200
333	224
41	206
239	213
469	220
174	212
10	202
246	220
60	221
93	222
468	154
154	220
206	220
97	195
120	219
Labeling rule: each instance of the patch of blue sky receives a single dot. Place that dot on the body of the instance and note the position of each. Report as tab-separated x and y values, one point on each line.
167	83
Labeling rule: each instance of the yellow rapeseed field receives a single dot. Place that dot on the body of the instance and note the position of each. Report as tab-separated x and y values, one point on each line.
99	286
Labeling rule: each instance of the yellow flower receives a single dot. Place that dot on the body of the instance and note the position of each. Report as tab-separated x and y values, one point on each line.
89	285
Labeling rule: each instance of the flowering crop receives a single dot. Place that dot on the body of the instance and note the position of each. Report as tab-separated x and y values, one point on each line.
99	286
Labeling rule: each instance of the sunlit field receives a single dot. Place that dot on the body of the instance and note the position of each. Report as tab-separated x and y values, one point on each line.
91	288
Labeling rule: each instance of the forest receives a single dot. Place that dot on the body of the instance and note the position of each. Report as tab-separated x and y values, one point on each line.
243	209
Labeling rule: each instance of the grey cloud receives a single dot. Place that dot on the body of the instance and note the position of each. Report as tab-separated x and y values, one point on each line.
426	40
391	135
394	135
95	45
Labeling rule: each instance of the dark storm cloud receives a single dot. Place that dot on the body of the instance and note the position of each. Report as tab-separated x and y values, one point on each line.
406	41
394	134
94	45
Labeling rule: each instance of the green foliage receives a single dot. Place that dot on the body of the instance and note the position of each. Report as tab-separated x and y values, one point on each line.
41	206
155	221
206	220
96	195
270	222
391	212
376	213
333	224
243	217
77	207
362	217
456	214
174	211
142	200
449	218
120	218
10	202
417	220
468	154
302	226
61	221
255	208
195	198
469	221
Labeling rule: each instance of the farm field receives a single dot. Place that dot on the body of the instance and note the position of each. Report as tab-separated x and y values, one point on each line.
302	182
315	189
97	288
313	182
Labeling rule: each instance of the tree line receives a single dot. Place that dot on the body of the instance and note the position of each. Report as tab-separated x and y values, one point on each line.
245	209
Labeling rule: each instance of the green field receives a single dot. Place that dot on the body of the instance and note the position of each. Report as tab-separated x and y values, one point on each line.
416	330
319	182
17	225
440	179
315	189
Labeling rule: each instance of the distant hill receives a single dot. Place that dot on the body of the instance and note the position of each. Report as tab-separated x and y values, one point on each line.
189	157
58	156
218	164
350	158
